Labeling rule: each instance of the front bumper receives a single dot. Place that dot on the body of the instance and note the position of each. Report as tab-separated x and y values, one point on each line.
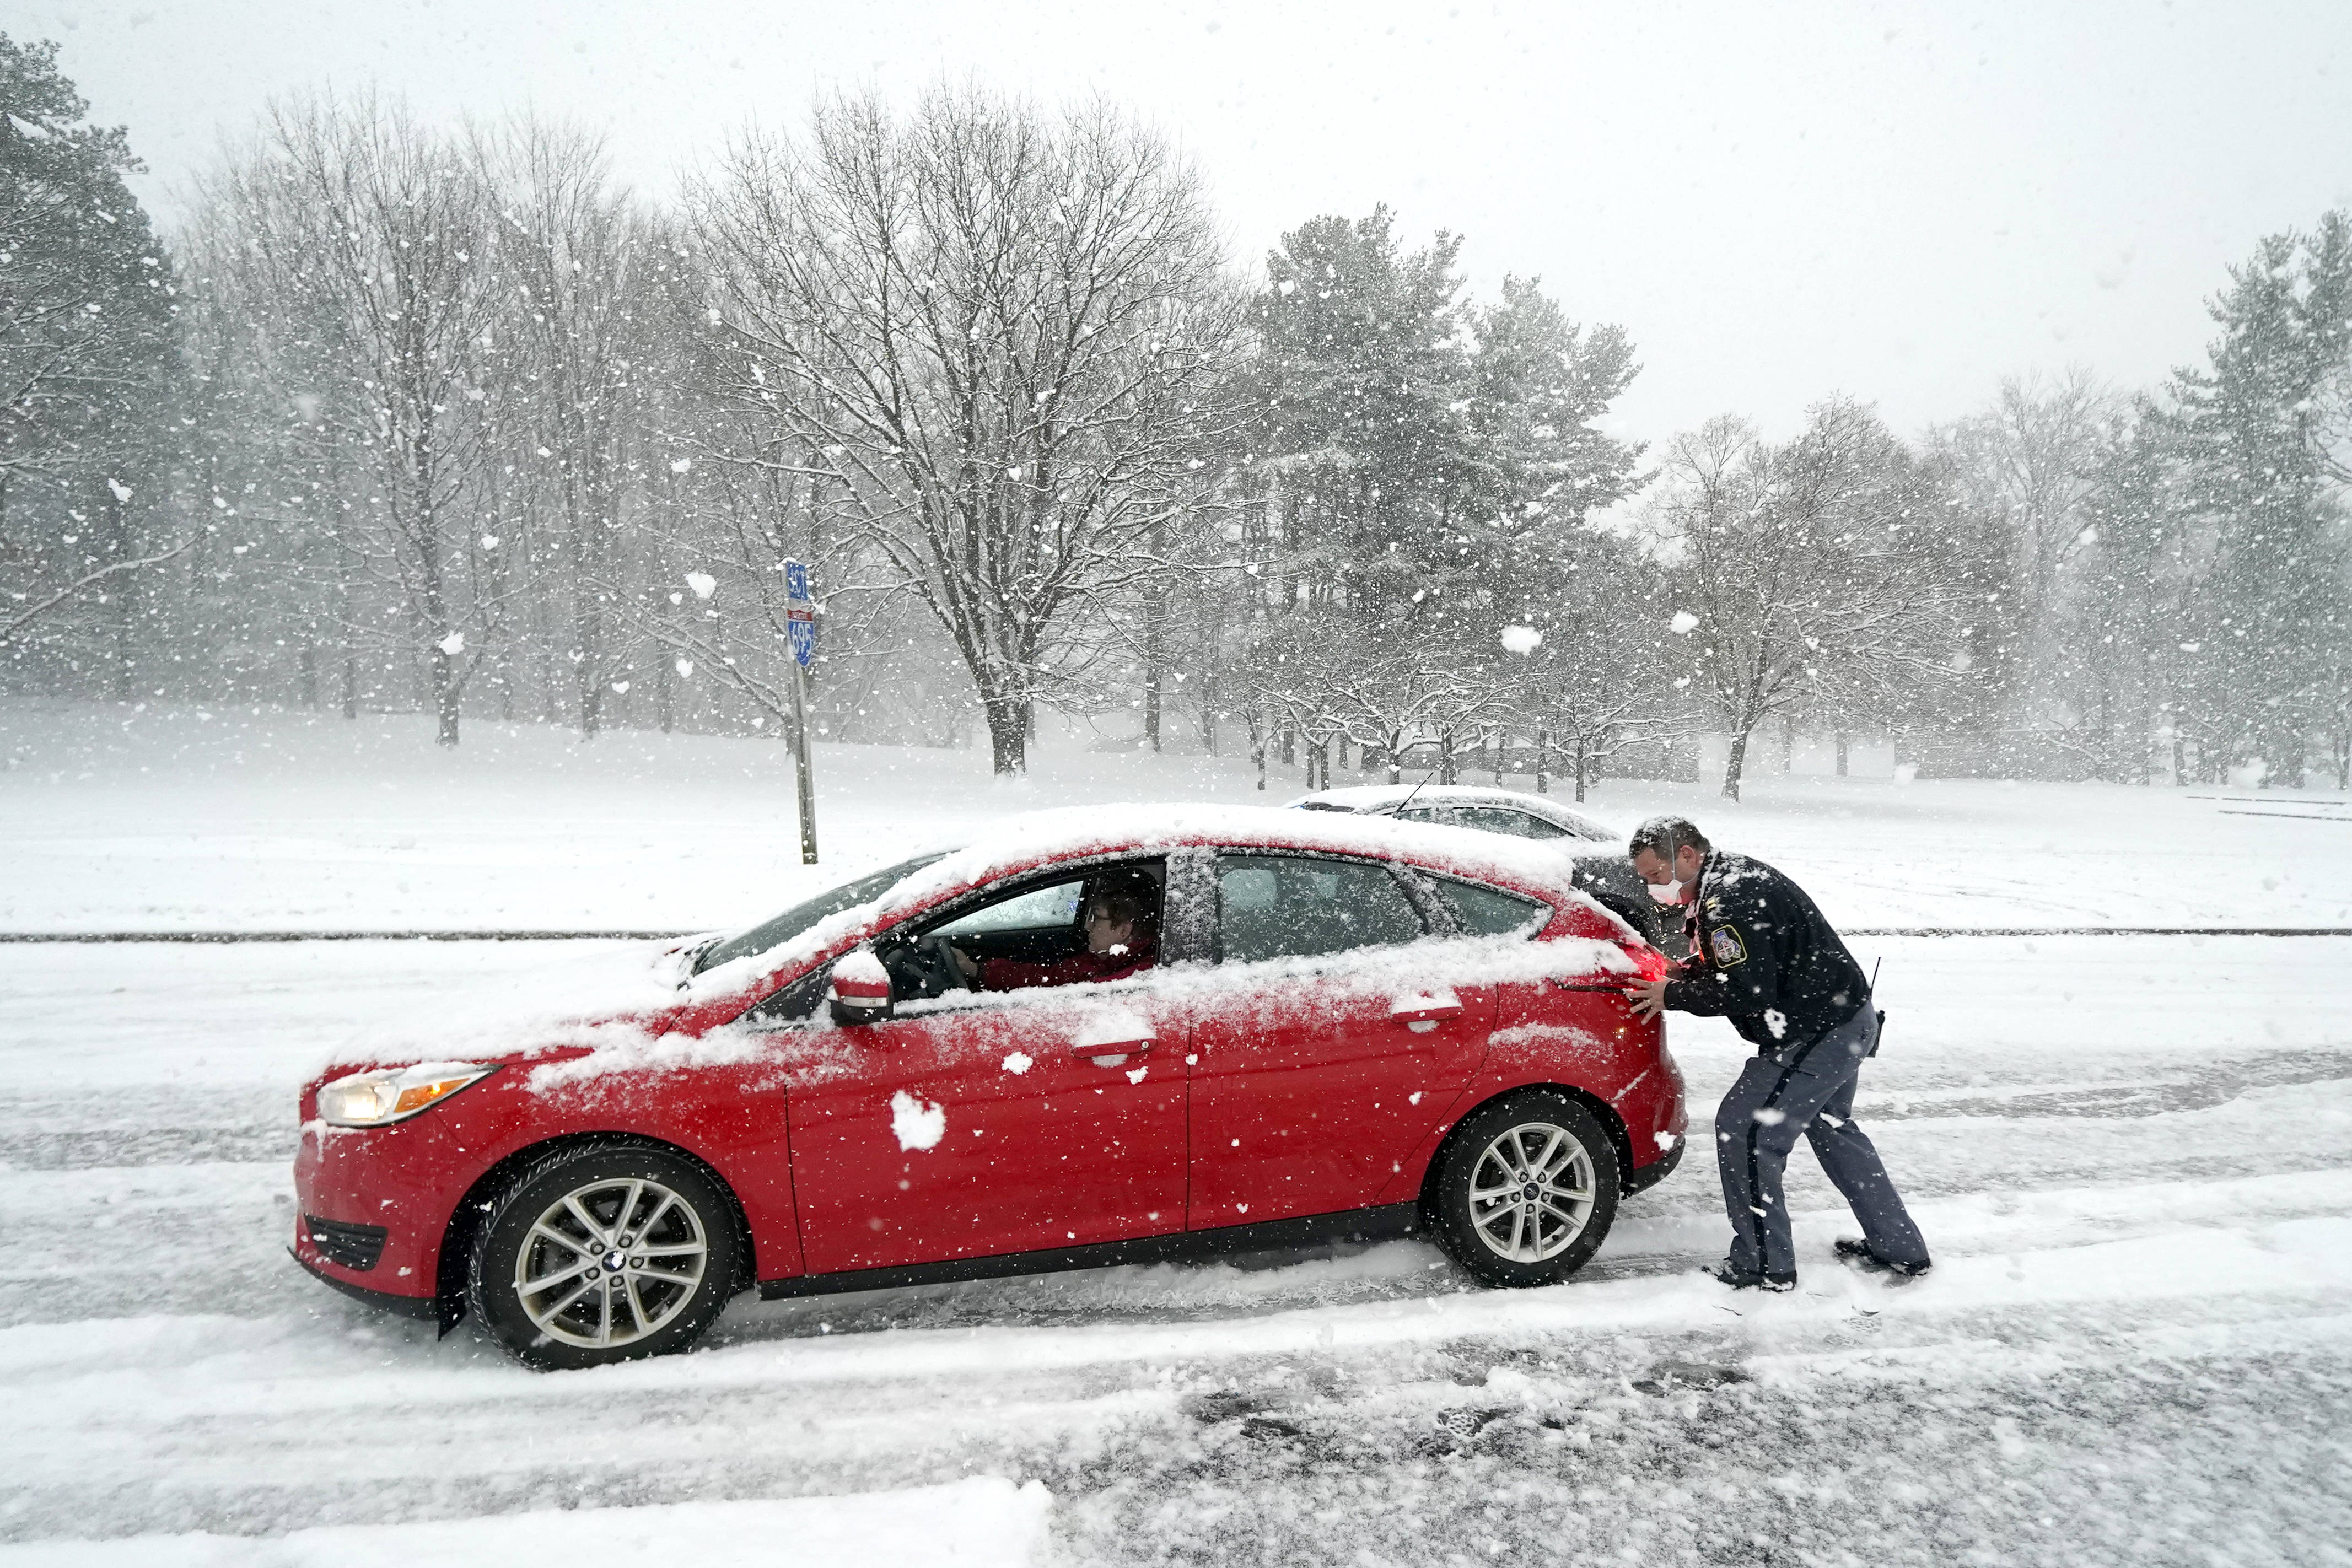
384	1197
427	1307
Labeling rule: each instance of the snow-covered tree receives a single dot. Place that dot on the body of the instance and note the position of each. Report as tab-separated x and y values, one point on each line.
88	338
363	250
1818	571
993	339
2254	428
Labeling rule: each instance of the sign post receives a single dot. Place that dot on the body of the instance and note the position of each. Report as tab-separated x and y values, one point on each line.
800	621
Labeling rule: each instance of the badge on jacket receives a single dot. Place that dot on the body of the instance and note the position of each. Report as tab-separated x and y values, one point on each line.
1725	941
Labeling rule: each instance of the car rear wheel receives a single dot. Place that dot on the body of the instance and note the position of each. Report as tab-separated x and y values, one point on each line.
603	1254
1526	1189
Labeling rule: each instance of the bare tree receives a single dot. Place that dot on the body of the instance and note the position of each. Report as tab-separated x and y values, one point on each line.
996	340
367	238
18	622
570	252
1393	697
1596	687
2027	468
1815	570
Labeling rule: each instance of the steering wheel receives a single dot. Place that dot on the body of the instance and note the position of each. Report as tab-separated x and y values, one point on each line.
925	968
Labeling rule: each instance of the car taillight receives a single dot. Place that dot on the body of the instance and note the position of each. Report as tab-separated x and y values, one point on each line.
1648	960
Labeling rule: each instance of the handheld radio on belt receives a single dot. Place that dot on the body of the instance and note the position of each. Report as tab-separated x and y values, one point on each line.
1877	1039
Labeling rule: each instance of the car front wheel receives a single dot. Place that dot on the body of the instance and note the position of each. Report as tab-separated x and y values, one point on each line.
1526	1189
603	1254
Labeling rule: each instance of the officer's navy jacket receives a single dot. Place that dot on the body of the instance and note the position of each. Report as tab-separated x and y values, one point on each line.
1761	955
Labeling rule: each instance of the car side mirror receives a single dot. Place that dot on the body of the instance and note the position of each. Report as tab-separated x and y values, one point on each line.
859	990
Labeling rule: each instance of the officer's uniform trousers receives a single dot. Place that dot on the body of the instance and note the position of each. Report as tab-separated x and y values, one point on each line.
1805	1089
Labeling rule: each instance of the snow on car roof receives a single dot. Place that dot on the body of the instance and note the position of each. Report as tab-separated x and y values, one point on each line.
1074	832
1020	842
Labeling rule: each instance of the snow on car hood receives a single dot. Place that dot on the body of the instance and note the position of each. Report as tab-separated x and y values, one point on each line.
586	994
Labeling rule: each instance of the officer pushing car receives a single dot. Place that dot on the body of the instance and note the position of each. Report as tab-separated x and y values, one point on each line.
1762	956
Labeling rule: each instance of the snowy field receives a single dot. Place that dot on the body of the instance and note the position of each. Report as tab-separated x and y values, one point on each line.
2132	1155
173	819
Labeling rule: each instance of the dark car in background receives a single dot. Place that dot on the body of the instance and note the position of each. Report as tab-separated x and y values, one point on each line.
1603	874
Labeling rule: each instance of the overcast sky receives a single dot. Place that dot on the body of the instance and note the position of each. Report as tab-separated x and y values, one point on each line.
1902	202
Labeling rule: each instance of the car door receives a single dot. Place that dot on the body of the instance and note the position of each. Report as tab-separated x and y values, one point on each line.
1319	1060
976	1124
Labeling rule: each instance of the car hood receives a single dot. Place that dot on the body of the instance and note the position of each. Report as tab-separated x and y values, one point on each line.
578	1000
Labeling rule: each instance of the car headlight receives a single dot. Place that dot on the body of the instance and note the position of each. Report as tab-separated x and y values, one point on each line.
380	1099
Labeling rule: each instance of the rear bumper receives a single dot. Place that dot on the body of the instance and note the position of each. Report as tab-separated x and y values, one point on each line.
1643	1178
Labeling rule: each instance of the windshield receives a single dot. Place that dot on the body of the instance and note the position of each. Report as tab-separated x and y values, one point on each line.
801	916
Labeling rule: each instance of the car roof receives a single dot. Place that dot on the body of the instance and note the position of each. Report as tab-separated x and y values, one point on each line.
1036	840
1368	798
1040	837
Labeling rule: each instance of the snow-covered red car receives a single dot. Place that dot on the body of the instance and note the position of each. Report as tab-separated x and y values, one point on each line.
1329	1027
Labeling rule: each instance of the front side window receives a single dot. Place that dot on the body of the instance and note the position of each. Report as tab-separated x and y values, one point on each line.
1302	906
1102	925
1038	909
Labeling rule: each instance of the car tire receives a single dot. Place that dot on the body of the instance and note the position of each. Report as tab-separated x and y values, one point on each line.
1525	1190
542	1273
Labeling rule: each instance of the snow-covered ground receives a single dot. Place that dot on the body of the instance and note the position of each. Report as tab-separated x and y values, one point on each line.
162	818
2133	1158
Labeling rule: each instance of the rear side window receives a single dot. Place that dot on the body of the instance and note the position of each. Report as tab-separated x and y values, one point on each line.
1299	907
1489	912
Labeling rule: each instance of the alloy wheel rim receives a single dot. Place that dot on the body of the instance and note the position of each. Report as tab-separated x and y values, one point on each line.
1531	1192
610	1264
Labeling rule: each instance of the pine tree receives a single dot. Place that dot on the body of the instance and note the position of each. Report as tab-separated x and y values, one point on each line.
2253	424
87	330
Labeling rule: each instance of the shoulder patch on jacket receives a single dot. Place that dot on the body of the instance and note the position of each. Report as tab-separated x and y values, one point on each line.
1727	948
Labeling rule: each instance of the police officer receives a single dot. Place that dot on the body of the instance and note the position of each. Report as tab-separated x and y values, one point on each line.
1761	955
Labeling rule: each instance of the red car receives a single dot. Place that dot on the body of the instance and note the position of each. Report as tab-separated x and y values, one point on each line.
1118	1035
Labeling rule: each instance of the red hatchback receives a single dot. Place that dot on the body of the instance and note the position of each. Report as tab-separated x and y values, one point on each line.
1111	1036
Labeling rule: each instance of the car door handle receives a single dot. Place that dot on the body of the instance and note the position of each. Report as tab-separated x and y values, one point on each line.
1112	1052
1421	1012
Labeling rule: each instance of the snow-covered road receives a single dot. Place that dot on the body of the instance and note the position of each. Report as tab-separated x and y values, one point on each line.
2132	1155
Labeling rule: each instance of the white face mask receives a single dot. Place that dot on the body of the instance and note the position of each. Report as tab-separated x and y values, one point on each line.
1669	893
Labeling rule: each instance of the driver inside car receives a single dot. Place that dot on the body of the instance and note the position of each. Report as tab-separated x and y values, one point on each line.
1122	939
